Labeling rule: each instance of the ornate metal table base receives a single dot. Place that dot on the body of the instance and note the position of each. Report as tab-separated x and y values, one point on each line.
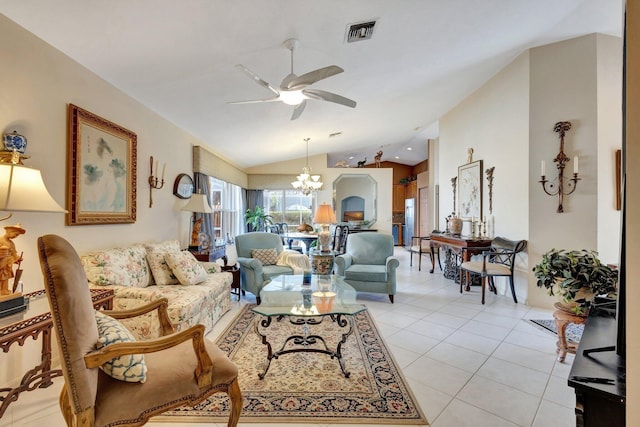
305	340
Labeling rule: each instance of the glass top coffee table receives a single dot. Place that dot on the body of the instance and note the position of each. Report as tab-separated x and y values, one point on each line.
326	297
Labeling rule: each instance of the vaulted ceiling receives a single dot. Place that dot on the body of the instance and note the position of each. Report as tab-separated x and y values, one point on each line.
179	59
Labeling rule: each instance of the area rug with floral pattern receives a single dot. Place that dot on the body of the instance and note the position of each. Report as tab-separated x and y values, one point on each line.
573	332
309	387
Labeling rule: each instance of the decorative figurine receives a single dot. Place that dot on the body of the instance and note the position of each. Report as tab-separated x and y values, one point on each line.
9	256
378	158
195	233
361	163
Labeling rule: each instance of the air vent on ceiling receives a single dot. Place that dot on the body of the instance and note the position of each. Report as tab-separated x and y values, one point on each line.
360	31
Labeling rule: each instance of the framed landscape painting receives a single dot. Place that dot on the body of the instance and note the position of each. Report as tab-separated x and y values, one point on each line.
101	170
470	190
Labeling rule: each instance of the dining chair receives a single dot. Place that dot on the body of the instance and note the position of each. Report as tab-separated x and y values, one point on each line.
498	261
339	239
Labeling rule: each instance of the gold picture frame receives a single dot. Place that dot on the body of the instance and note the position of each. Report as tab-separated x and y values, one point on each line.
101	170
470	190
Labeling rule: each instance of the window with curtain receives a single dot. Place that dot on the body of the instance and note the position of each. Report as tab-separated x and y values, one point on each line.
289	206
226	202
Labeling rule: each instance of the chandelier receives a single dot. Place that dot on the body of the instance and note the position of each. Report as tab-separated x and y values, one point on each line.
306	182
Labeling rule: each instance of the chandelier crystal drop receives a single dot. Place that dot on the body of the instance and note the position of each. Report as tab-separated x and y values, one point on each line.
307	183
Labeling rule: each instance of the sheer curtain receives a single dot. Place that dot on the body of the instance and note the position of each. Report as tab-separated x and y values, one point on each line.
232	210
201	184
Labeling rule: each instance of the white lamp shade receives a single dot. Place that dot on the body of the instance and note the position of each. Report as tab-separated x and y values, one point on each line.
22	190
324	215
198	203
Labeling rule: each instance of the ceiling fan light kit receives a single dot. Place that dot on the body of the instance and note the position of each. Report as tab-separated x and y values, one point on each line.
294	89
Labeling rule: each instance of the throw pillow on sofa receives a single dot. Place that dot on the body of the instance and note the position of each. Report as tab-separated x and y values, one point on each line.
265	256
131	367
118	266
186	267
156	253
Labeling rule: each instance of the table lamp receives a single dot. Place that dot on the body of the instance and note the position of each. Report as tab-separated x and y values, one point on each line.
21	190
198	203
325	217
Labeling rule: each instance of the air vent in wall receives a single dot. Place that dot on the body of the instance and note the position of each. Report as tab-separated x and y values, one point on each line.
360	31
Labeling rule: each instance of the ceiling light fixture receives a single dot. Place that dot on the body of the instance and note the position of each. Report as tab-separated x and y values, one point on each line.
306	182
291	97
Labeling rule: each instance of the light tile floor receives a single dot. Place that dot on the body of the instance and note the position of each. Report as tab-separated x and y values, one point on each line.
467	364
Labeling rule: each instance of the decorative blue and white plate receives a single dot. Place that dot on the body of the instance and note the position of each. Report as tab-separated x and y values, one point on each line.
15	141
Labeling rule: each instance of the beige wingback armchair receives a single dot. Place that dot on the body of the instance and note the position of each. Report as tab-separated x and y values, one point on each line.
183	367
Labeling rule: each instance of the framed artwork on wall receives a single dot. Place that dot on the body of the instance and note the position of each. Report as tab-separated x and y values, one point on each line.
470	190
101	170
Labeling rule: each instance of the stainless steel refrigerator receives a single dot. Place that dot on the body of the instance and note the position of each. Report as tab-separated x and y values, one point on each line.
410	225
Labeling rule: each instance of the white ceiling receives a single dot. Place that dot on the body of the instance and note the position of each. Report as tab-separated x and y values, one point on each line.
179	57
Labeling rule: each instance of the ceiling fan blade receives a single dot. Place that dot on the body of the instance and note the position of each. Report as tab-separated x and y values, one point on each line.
257	79
255	101
298	110
323	95
311	77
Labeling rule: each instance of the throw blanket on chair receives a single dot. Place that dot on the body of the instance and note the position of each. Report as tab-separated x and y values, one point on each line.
297	261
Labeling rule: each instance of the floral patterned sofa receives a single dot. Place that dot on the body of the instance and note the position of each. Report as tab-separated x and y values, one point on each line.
197	292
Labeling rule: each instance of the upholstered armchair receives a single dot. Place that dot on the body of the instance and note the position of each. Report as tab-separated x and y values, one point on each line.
109	377
368	263
255	273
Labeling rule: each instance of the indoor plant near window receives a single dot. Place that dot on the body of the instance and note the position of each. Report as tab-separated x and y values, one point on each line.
257	219
577	277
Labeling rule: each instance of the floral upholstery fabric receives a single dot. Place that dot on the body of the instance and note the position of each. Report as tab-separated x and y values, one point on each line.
265	256
131	367
189	305
185	267
118	266
156	253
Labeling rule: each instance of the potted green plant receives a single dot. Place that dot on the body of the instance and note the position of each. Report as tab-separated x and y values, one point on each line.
257	219
576	277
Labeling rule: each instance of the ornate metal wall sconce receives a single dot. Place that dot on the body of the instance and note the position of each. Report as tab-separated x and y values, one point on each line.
558	188
154	182
489	173
454	181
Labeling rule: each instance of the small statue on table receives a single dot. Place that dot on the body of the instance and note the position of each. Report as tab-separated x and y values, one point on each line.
195	233
9	256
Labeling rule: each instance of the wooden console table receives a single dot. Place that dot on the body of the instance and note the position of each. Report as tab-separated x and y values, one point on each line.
454	246
36	320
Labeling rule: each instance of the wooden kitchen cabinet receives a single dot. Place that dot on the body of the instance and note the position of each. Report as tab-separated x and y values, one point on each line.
399	194
412	190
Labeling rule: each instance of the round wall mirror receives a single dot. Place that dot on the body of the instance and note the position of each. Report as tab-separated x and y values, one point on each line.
354	199
183	186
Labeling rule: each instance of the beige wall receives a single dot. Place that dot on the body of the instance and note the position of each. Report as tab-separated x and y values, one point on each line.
494	122
585	70
37	84
509	124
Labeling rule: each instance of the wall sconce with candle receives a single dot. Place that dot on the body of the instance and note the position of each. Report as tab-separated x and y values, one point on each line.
558	188
154	182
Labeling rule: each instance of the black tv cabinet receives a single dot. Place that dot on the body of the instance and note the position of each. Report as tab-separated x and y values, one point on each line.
599	403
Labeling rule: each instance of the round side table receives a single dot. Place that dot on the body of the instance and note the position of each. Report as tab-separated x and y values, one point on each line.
321	262
562	319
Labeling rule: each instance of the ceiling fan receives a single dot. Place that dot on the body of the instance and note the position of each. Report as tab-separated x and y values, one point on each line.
294	89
